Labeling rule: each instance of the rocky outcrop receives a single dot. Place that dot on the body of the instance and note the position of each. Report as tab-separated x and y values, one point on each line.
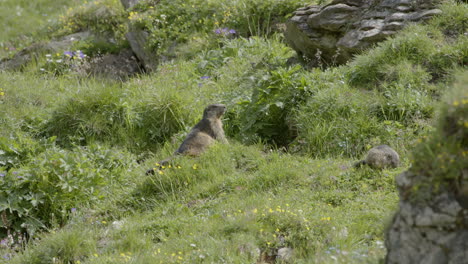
431	225
331	34
433	233
138	38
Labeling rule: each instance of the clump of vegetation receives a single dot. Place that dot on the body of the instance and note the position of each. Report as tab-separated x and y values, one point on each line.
442	157
43	191
105	18
170	22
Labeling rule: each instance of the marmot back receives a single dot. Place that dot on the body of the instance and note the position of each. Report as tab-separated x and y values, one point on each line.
203	134
380	157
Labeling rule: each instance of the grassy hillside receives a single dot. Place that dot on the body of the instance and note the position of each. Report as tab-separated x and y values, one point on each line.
74	150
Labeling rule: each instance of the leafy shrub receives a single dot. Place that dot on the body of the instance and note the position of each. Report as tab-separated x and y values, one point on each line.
44	191
17	147
274	97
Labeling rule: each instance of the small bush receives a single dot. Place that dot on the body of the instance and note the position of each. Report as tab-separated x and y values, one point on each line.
42	192
442	158
267	114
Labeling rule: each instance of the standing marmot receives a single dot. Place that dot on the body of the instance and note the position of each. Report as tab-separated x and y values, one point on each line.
380	157
203	134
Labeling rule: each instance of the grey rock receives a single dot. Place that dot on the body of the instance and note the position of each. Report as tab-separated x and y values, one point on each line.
138	42
332	33
433	231
129	3
285	254
137	38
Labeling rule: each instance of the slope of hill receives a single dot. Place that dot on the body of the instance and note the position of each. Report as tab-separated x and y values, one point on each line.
74	150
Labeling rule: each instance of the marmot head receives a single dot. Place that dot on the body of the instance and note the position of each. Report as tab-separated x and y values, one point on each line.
214	111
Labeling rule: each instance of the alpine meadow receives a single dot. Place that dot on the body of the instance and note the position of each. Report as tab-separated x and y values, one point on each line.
83	118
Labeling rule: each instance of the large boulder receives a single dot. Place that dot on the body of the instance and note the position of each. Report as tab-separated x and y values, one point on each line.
331	34
431	225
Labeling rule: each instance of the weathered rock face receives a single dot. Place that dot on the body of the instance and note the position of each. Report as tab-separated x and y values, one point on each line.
432	233
431	225
331	34
137	38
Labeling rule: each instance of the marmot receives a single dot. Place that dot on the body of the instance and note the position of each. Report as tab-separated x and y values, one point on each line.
203	134
380	157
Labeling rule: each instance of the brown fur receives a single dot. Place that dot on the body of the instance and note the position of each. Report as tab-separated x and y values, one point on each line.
380	157
203	134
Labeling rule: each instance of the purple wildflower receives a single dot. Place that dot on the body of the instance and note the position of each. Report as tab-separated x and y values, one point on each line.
217	31
73	210
15	172
68	53
4	242
204	77
2	175
80	54
232	31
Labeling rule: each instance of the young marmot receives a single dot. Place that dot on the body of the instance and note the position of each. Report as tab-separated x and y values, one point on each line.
380	157
203	134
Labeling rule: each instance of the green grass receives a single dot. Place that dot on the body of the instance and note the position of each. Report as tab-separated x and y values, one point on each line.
74	150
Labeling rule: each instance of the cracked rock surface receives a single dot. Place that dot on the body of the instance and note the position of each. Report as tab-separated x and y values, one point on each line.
331	34
431	233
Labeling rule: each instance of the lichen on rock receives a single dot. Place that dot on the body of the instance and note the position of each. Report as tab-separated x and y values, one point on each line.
331	34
